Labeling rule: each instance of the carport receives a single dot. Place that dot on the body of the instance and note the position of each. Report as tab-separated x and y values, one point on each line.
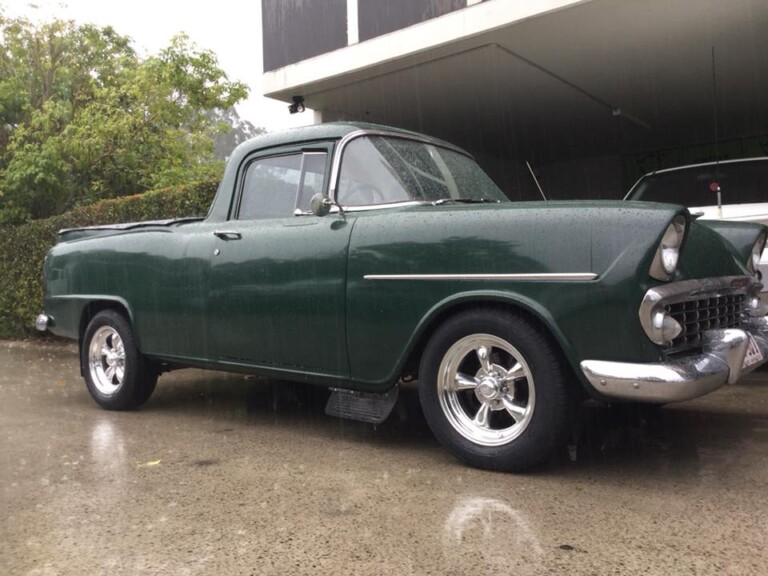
592	93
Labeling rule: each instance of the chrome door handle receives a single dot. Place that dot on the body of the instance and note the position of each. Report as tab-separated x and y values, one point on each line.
227	235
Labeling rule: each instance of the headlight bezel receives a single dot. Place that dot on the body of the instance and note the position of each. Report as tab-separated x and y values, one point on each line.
667	258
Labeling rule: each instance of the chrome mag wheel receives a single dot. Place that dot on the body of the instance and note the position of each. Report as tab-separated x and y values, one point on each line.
486	390
494	390
106	360
117	374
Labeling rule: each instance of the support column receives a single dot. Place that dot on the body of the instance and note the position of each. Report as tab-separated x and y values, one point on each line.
353	28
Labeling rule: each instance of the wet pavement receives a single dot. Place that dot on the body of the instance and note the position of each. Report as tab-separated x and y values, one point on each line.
221	474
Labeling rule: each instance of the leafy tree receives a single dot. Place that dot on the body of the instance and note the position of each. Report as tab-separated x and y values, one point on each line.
82	117
235	131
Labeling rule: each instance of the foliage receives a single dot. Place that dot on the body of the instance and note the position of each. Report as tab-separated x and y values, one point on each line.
238	131
23	248
83	118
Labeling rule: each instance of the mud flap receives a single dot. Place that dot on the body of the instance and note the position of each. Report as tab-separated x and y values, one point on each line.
362	406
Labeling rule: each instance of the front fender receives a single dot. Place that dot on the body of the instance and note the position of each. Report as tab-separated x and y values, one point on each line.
407	268
740	235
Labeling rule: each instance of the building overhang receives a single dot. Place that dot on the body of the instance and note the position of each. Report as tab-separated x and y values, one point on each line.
554	78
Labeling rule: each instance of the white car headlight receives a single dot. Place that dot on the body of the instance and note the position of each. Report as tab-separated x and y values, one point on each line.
757	252
668	254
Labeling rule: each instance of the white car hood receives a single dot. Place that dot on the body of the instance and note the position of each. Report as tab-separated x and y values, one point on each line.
757	212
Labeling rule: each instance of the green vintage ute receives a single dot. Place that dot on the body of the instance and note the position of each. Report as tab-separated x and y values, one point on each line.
357	257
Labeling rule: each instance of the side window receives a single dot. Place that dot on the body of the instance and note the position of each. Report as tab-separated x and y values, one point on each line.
277	186
270	187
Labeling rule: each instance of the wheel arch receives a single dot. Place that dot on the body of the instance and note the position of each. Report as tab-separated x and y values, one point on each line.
98	304
121	390
530	310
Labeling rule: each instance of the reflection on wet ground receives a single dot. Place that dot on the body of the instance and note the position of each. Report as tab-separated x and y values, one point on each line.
221	474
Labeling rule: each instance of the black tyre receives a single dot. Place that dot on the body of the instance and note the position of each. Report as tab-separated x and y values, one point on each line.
494	390
116	373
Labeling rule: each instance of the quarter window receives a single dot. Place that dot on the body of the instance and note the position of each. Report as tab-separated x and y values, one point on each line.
312	178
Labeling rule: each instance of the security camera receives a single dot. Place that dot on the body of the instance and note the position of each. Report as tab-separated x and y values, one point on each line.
297	106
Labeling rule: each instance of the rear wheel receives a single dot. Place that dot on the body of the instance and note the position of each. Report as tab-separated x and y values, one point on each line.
493	390
117	375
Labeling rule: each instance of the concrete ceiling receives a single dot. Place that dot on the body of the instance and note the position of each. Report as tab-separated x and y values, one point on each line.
596	77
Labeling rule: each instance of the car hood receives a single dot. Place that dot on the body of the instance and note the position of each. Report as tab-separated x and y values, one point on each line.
600	237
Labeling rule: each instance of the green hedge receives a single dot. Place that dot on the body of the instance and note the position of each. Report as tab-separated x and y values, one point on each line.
23	248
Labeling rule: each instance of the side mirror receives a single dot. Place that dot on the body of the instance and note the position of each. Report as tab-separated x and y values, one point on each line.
320	205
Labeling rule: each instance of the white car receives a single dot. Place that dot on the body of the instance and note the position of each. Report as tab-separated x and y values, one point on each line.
742	187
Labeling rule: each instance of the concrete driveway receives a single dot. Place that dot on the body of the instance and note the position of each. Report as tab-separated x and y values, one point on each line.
221	474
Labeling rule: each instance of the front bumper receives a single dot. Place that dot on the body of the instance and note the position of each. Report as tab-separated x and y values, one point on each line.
719	363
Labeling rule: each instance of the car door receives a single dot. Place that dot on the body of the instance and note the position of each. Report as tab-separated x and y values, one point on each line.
277	279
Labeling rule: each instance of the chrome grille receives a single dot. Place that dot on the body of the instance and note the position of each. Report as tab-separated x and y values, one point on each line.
699	315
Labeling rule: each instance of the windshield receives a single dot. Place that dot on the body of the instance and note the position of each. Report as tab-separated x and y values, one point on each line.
739	183
383	170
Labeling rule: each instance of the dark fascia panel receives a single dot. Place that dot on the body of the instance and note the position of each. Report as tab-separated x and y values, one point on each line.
377	17
294	30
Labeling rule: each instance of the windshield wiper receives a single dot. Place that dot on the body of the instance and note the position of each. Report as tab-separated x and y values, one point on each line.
465	201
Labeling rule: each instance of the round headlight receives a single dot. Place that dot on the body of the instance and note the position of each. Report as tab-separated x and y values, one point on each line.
668	254
753	263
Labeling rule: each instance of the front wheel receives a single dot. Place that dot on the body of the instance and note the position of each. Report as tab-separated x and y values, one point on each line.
117	375
493	390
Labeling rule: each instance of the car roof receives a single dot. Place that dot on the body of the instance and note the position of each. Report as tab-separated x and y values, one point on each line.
327	131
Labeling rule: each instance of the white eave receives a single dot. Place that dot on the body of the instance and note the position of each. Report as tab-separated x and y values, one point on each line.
445	31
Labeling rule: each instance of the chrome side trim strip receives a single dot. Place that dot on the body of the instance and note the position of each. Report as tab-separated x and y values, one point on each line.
560	277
